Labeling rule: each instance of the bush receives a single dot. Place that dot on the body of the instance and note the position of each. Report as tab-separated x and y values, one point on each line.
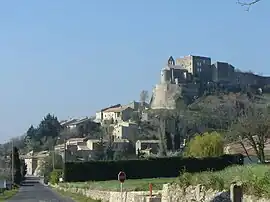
206	145
54	176
255	179
145	168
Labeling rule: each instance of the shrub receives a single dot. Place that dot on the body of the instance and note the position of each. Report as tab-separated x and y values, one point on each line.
54	176
206	145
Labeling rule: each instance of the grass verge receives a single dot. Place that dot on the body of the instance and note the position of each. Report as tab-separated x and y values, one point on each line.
75	197
8	194
129	185
255	179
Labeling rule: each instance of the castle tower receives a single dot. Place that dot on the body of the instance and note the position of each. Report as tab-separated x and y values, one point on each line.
165	75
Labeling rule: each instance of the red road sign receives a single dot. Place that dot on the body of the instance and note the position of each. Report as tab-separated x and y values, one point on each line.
121	176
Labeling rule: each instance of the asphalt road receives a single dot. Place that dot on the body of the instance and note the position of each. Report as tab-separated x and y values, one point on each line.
33	191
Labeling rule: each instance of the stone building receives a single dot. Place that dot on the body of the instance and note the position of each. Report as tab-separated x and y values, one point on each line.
117	114
125	130
198	66
222	71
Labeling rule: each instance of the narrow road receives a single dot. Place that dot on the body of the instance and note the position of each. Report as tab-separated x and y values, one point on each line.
33	191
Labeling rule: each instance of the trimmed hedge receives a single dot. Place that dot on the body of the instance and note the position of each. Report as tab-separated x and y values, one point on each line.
146	168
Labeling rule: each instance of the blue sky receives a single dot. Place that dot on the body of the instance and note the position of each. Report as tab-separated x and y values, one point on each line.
71	58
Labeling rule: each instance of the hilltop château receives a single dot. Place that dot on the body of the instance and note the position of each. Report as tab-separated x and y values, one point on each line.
185	76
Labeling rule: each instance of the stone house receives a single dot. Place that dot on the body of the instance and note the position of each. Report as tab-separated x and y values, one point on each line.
34	162
125	130
117	114
99	114
76	141
148	146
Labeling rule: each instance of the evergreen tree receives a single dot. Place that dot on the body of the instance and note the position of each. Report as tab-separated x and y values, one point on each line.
16	166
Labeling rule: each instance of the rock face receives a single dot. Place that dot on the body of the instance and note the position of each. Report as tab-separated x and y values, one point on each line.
164	96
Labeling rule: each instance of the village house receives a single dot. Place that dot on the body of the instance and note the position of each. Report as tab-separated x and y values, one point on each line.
117	114
99	114
34	162
147	146
125	130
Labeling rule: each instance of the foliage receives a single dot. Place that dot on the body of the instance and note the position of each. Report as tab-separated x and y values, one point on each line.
23	168
205	145
144	95
44	136
255	179
51	162
8	194
55	176
146	168
16	165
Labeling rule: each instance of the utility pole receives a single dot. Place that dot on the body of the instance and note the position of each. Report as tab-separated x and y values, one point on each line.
12	161
53	159
64	161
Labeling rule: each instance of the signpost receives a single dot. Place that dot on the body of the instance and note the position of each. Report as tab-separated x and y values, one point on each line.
121	179
150	189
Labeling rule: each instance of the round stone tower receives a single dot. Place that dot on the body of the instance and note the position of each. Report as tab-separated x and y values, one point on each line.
165	76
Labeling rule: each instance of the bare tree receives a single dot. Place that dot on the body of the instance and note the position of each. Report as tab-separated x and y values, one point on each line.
247	3
144	96
253	130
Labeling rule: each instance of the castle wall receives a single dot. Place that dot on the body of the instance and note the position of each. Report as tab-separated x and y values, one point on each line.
163	96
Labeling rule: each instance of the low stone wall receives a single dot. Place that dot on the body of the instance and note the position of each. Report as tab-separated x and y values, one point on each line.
175	193
170	193
110	196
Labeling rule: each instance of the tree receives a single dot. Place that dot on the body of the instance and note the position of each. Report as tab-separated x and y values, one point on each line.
16	166
49	127
247	3
144	96
23	168
252	129
206	145
53	161
44	136
143	99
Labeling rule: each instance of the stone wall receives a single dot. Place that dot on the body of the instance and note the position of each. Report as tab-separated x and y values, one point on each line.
163	96
170	193
110	196
174	193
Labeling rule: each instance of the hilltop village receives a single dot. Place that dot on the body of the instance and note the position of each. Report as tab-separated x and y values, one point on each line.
129	130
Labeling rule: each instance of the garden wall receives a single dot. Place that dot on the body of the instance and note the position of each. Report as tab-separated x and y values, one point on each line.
169	193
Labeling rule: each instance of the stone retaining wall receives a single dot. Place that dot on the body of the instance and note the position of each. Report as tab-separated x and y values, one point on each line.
110	196
170	193
174	193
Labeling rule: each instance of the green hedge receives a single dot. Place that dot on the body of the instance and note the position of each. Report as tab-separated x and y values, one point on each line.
147	168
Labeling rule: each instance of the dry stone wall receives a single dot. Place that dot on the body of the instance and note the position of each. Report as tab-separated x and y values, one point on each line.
169	193
175	193
110	196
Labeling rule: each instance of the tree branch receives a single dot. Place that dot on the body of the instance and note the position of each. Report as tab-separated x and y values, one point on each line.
247	4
